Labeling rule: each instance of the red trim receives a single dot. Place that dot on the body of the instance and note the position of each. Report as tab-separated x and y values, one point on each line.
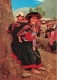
24	28
20	32
39	15
27	28
14	56
8	30
29	66
38	65
19	61
32	66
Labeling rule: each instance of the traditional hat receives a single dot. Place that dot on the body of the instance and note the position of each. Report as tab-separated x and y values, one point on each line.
20	13
29	15
51	29
47	31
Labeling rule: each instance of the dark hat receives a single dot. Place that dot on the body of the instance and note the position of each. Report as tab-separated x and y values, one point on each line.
47	31
29	15
51	29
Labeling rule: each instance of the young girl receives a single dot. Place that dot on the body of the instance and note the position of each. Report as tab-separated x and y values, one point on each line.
20	18
25	50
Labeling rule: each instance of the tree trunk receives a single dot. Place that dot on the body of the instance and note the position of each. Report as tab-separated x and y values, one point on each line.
6	61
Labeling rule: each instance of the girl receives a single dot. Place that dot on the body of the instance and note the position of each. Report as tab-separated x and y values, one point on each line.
26	53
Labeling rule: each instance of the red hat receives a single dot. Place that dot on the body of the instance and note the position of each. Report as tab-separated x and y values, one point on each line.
29	15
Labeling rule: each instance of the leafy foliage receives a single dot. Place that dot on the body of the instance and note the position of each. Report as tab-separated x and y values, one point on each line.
30	10
37	9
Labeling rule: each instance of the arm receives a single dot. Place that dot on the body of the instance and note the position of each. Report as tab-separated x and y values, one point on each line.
10	28
23	30
19	37
34	41
34	44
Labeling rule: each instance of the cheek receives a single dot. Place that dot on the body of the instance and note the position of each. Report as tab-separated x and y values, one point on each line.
30	20
18	17
21	17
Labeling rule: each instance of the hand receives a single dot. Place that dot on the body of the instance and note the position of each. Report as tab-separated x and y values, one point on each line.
33	29
51	43
20	41
34	48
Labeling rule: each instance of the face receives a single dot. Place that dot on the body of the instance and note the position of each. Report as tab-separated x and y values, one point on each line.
38	21
20	18
33	20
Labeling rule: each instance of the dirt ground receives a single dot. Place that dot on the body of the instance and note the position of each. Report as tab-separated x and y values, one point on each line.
49	61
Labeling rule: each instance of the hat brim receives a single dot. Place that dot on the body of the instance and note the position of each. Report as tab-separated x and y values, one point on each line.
29	15
19	15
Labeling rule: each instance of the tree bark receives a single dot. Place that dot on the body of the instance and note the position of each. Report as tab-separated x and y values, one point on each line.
6	61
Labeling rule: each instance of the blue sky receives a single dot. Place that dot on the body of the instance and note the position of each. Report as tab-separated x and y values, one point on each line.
16	4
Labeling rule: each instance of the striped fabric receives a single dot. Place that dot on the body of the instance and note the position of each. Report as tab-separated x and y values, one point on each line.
34	40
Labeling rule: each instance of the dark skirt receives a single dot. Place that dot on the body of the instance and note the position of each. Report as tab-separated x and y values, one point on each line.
54	46
16	49
25	55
